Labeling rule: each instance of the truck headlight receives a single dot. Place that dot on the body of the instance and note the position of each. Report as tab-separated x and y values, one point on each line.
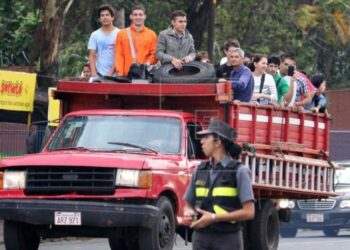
344	204
133	178
14	179
285	203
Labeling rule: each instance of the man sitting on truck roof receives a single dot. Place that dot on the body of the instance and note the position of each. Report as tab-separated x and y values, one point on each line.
135	44
240	77
175	44
102	42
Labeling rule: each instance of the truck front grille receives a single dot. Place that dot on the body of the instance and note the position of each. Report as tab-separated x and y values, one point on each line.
316	204
63	180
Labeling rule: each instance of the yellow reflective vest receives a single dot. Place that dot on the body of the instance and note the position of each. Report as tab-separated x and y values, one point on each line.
220	196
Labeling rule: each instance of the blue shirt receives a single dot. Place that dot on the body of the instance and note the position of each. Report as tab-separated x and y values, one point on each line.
318	100
104	46
242	83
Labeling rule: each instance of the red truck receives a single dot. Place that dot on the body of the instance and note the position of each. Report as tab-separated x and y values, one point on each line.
120	161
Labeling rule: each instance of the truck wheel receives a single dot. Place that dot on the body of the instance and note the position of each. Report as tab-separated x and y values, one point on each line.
20	236
331	232
161	237
126	241
116	243
288	232
264	229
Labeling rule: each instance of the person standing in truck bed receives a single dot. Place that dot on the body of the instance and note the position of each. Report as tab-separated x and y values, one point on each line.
102	42
144	41
220	191
319	101
241	77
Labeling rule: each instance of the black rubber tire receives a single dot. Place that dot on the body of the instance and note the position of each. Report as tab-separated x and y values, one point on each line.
193	72
126	241
331	232
20	236
117	243
163	236
288	232
264	229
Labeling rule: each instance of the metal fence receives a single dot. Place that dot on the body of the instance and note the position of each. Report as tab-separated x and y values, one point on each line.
17	139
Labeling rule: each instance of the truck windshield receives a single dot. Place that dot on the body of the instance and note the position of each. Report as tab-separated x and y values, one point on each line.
112	133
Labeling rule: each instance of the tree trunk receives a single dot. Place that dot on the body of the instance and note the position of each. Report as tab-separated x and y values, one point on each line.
211	29
198	21
50	32
119	18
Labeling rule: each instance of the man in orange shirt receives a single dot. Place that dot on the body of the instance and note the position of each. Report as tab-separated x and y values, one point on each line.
144	41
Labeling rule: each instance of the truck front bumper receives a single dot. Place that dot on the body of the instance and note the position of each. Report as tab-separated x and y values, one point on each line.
94	214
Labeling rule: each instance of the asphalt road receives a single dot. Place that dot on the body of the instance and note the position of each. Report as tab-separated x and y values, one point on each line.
306	240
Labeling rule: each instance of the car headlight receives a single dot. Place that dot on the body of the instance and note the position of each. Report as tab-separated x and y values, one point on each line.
285	203
133	178
14	179
344	204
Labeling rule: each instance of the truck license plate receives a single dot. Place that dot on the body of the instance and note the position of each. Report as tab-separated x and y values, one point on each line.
311	218
68	218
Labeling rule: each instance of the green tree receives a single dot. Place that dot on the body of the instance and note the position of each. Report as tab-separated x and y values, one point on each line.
18	21
326	25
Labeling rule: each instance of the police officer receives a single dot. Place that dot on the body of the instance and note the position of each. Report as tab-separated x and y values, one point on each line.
220	194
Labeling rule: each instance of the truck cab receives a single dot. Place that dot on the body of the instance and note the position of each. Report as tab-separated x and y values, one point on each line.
136	163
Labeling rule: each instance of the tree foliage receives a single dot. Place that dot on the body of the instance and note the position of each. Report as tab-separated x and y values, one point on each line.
18	23
317	32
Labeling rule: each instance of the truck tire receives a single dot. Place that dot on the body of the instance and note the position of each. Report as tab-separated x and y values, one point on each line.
126	241
264	229
288	232
20	236
163	236
193	72
117	243
331	231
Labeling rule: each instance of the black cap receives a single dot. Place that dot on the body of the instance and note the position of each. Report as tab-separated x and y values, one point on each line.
317	80
220	128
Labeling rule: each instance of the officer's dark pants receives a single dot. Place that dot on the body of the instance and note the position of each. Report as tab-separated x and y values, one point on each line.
217	241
